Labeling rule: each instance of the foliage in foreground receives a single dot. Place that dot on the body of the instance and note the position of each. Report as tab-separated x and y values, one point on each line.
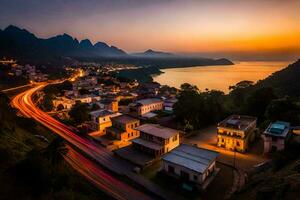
32	167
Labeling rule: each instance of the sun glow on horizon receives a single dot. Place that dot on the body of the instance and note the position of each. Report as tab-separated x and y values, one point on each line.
177	26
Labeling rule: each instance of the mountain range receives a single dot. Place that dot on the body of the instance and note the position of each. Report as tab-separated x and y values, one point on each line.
21	44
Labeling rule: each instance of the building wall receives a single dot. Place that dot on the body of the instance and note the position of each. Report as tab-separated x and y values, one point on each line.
113	106
232	144
193	176
104	125
167	144
171	143
129	135
234	139
128	128
273	144
67	103
151	107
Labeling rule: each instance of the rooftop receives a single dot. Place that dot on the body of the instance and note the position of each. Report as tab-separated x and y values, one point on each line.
149	101
157	130
115	130
191	157
240	122
150	145
278	128
101	113
124	119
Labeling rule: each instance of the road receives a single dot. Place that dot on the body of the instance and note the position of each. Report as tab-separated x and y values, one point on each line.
82	162
16	88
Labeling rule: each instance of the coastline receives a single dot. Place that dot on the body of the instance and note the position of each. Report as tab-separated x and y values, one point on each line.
146	74
216	77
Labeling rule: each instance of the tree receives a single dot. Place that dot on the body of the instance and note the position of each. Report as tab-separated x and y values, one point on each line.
239	93
199	108
47	103
186	87
95	107
284	109
79	113
56	151
258	101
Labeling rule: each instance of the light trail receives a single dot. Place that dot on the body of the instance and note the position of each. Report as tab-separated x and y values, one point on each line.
79	162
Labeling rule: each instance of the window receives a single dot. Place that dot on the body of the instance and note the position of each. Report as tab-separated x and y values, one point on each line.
237	143
184	176
171	169
174	138
195	177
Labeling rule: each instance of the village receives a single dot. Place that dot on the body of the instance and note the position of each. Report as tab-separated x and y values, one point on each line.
135	121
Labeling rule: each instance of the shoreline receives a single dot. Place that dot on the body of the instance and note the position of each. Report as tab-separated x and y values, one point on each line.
217	77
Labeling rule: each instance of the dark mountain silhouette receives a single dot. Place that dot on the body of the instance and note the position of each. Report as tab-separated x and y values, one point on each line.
152	53
18	42
285	81
23	45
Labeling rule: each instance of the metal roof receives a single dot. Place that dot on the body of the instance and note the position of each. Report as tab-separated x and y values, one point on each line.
124	119
278	128
157	130
150	145
149	101
191	157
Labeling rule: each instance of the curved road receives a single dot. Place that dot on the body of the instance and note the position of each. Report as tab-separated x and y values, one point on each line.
78	161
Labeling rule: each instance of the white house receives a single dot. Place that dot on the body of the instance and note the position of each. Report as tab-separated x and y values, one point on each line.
144	106
156	140
275	136
191	164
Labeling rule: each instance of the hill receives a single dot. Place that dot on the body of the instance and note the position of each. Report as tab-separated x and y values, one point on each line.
285	81
152	53
16	42
281	181
23	45
27	167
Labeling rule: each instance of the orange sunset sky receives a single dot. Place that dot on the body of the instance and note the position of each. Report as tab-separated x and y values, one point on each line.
235	28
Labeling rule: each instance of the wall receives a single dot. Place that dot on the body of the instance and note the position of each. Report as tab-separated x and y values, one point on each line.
177	172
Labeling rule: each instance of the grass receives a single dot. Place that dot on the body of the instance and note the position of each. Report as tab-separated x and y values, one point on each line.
282	181
26	174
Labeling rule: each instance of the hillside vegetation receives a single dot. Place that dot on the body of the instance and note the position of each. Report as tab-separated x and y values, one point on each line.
284	82
31	162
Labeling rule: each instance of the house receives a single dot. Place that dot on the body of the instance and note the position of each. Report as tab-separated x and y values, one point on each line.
169	104
65	102
236	132
144	106
156	140
84	99
102	120
123	128
275	136
191	164
109	104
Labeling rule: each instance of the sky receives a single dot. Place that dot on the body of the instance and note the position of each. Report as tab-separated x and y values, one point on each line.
238	29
